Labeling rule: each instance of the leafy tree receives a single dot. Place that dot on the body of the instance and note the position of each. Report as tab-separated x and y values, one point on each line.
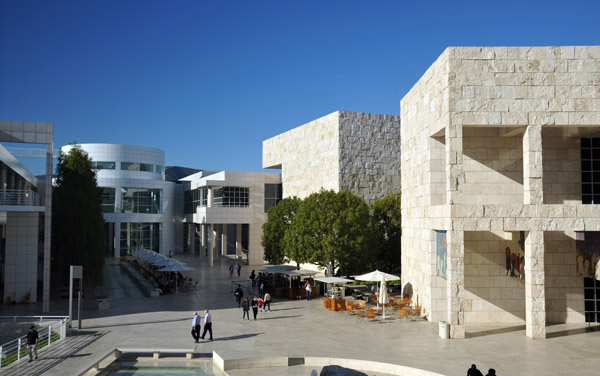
331	230
279	219
387	231
77	222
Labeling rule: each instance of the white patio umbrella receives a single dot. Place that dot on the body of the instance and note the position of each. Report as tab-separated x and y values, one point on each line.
377	276
167	261
383	298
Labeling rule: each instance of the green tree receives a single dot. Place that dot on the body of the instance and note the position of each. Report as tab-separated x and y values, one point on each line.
387	232
279	219
331	230
77	222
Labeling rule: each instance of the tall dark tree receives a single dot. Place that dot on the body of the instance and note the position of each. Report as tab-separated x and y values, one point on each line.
77	222
387	231
279	219
331	230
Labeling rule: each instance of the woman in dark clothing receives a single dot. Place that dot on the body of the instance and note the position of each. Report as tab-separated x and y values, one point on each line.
255	306
246	308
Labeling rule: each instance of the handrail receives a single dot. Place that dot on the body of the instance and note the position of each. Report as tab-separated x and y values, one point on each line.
13	351
19	197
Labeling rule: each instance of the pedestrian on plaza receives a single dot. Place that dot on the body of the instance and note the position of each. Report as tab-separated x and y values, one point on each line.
267	302
170	253
196	327
261	289
473	371
32	342
230	270
260	303
239	294
253	278
207	324
246	308
239	268
491	372
296	286
254	306
308	288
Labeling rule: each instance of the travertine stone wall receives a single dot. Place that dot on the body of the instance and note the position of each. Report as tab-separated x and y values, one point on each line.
531	95
369	154
352	150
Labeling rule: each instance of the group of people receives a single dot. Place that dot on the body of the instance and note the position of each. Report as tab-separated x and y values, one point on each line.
256	304
197	323
473	371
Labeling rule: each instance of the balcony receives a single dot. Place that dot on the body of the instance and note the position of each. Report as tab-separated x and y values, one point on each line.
19	197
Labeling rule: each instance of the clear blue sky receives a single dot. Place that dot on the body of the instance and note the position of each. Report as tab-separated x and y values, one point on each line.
208	81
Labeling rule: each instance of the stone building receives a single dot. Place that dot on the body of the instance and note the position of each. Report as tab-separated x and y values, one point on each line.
500	177
353	150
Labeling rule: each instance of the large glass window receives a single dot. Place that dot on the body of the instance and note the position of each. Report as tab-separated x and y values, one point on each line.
160	169
107	199
135	166
193	199
236	197
139	235
273	193
140	200
103	165
590	170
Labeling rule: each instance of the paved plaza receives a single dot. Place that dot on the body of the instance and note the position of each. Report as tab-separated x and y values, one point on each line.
298	329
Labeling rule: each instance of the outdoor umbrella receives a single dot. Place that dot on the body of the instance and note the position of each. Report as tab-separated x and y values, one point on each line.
175	268
377	276
165	261
383	298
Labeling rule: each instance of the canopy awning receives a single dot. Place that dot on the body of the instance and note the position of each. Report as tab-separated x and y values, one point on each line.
334	280
274	269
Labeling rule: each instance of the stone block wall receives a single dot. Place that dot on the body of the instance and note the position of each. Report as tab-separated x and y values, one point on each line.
564	289
493	167
21	265
369	154
308	156
562	166
490	295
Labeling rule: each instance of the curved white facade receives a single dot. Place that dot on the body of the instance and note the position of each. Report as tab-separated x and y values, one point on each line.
138	203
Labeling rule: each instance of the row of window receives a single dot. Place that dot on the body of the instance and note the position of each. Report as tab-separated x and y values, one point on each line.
133	200
231	197
590	170
129	166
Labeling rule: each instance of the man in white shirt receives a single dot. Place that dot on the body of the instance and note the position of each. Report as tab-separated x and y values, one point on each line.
207	324
196	327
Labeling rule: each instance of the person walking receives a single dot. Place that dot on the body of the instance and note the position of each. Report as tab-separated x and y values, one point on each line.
239	268
253	278
239	294
254	306
491	372
32	342
230	270
308	288
246	308
207	324
267	302
196	327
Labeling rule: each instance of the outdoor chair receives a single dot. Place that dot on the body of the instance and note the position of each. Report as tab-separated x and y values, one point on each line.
361	314
402	313
370	315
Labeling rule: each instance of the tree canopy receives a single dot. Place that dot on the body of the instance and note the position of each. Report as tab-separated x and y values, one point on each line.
279	219
387	225
77	221
331	230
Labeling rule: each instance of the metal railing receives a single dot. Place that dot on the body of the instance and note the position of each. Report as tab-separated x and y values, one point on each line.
15	350
19	197
30	152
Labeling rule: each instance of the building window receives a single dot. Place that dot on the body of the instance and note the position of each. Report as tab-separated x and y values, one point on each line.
134	166
231	197
139	235
107	199
160	169
140	200
273	194
103	165
194	198
590	170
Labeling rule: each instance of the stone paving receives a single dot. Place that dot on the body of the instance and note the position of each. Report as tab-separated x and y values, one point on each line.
298	329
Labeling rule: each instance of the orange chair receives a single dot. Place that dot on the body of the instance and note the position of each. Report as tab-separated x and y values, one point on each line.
402	313
370	315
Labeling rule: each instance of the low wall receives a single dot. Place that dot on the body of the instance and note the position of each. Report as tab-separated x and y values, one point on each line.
140	281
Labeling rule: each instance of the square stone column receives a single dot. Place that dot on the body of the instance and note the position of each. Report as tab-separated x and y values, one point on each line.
533	171
455	274
535	294
455	175
238	240
223	239
192	235
211	244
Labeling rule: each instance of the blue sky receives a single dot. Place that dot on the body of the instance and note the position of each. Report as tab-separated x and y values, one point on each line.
208	81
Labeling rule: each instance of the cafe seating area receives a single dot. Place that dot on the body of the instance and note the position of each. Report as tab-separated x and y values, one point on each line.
368	310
